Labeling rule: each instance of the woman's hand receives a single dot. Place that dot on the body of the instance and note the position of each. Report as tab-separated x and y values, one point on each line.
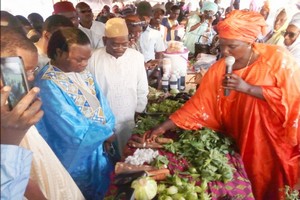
234	82
15	123
151	135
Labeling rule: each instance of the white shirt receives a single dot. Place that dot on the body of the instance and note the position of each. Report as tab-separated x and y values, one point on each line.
124	82
95	34
151	41
47	171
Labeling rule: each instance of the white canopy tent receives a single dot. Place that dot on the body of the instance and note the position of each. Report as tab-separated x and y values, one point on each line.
45	7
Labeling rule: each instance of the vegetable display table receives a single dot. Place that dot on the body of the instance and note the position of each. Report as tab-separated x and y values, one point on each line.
202	171
199	164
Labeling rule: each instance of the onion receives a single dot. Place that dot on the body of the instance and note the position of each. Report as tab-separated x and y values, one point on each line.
145	188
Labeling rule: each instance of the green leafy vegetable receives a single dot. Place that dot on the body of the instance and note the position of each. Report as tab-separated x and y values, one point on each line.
206	152
146	123
291	194
167	106
160	161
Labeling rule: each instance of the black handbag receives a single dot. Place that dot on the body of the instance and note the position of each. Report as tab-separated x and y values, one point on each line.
212	48
201	48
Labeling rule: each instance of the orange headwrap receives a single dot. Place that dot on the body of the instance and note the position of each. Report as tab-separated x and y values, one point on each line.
242	25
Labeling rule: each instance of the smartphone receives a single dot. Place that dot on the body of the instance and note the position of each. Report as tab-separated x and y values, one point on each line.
13	75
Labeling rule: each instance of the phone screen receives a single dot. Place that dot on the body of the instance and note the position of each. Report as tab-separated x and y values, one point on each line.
13	75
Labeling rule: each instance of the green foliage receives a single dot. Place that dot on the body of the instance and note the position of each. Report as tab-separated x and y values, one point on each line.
167	106
160	161
155	95
291	194
148	122
206	151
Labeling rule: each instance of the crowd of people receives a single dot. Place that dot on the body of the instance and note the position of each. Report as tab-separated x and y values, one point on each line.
89	81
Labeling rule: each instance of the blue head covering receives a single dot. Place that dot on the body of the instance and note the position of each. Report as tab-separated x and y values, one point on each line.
207	5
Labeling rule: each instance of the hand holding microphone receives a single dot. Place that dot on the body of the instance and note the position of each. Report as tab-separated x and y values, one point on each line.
229	61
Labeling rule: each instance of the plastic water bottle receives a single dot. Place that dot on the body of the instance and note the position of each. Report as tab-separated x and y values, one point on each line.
182	81
173	82
165	82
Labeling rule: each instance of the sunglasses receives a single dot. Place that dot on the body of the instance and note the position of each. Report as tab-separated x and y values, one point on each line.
86	11
289	34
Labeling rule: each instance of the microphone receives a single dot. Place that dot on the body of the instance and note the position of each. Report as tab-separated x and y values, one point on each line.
229	61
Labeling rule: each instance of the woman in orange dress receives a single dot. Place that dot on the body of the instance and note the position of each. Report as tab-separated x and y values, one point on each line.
261	112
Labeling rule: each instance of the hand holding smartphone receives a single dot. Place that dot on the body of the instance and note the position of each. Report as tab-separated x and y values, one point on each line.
25	108
13	74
